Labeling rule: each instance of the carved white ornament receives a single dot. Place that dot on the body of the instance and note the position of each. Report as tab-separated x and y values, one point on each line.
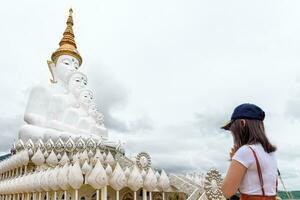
212	185
75	177
109	159
150	182
163	181
97	178
38	158
62	178
143	160
18	160
135	180
118	179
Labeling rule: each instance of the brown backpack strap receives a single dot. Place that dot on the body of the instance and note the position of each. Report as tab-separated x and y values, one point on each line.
261	180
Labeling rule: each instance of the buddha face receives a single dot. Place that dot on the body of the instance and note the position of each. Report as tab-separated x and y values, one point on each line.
99	118
77	82
86	97
93	110
65	65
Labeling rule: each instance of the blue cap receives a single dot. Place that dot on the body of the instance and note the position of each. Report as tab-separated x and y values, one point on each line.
245	111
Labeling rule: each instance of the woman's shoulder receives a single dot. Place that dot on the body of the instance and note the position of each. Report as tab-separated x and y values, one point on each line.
242	155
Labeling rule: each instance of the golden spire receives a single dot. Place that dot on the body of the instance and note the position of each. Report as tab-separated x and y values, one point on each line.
67	45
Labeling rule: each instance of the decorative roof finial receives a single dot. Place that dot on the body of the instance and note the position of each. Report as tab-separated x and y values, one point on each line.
67	45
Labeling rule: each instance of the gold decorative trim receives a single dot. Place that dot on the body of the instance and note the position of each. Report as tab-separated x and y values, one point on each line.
67	45
50	64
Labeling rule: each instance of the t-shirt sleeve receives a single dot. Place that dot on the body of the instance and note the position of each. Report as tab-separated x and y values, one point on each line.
244	156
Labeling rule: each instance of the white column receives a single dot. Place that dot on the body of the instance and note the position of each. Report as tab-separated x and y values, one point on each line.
163	194
47	195
65	195
97	194
55	195
134	195
76	194
104	193
144	194
40	196
117	195
150	195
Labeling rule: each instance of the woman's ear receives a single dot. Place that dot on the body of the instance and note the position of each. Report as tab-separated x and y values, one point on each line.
243	122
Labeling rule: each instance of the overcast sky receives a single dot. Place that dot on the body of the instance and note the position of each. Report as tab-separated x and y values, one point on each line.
166	73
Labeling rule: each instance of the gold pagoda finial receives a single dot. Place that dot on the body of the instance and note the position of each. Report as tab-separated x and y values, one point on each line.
67	45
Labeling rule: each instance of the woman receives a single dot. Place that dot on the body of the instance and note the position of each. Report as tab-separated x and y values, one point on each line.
253	168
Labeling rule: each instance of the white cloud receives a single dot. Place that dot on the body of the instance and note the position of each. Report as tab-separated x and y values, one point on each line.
9	127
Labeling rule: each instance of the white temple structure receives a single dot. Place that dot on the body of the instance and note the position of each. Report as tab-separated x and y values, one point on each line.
63	151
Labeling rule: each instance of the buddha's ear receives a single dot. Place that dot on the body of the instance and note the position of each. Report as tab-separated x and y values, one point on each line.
51	66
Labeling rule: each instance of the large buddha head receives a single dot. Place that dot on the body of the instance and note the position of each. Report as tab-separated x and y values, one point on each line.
64	67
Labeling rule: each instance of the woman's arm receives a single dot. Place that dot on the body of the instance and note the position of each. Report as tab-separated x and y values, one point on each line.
233	178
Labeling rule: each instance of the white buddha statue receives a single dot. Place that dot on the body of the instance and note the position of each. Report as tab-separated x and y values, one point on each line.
64	61
47	103
63	108
72	115
93	123
59	103
98	127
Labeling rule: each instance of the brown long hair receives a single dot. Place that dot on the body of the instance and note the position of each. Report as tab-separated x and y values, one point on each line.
253	132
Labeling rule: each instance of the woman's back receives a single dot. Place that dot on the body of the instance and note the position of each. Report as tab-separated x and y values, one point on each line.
250	184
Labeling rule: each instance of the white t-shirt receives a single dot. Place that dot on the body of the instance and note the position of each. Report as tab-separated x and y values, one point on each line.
250	184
